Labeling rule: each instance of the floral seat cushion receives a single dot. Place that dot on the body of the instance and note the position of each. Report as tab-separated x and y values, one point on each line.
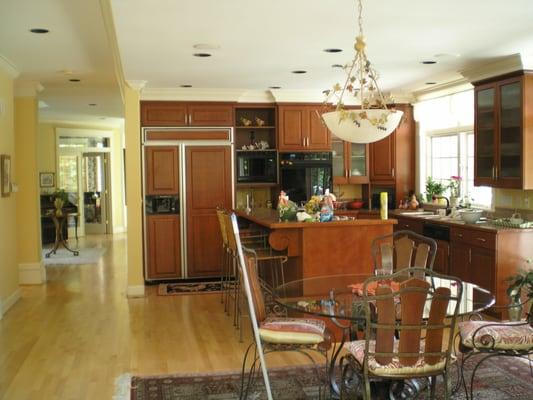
292	331
500	336
357	349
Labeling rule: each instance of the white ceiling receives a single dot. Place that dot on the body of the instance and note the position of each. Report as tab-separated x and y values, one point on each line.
260	43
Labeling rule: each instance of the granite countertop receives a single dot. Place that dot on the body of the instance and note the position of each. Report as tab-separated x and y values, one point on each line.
482	225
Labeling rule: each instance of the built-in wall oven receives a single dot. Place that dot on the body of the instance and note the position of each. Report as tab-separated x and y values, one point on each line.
259	166
303	175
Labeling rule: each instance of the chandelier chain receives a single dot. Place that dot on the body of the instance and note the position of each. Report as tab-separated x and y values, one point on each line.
360	18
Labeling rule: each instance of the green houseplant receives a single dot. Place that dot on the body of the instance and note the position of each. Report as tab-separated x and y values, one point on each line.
433	188
60	198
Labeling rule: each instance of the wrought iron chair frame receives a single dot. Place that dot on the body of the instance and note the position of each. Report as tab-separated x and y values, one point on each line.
488	349
356	374
260	347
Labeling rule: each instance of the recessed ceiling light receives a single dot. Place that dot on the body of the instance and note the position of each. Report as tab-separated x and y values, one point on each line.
299	71
274	87
206	46
333	50
202	55
185	86
337	66
92	104
74	80
428	62
39	30
431	83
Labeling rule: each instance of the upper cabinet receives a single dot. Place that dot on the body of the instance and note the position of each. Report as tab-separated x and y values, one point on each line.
350	162
300	128
504	132
392	159
173	113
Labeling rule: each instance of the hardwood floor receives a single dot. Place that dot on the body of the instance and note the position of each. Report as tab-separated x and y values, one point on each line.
71	338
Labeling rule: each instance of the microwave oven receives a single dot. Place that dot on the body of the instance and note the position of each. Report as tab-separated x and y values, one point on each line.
162	205
259	166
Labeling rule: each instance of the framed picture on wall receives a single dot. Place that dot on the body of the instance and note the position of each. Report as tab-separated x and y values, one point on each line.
46	179
5	174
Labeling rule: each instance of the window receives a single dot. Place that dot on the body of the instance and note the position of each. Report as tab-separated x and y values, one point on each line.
447	144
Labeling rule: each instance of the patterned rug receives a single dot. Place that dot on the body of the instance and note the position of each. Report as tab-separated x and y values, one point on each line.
88	255
497	379
171	289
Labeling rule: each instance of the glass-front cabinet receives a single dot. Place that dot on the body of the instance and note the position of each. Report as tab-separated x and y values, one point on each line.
504	132
350	162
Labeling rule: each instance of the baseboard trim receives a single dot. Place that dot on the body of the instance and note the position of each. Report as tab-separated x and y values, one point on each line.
136	291
9	302
32	273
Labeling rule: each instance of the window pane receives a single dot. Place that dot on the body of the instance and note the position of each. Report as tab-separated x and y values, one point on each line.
444	157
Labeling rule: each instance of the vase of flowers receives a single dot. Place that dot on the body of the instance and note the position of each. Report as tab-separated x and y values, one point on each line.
455	190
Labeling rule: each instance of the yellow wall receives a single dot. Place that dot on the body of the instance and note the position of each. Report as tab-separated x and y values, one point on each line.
47	163
28	208
8	245
134	191
512	198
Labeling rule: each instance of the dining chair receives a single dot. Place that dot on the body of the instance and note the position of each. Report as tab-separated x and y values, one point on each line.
482	340
395	251
273	334
425	317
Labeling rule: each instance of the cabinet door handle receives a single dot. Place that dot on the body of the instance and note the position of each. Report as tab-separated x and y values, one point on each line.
393	172
303	141
481	240
493	173
306	142
469	255
497	172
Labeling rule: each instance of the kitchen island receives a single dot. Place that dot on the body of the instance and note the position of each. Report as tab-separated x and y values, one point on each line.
321	248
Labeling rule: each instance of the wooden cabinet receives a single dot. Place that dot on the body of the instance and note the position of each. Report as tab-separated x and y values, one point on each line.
473	264
173	113
349	161
208	181
504	132
163	246
442	257
300	128
392	159
409	224
161	170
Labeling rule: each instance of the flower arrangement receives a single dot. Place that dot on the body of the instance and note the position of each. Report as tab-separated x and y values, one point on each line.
313	205
286	208
455	186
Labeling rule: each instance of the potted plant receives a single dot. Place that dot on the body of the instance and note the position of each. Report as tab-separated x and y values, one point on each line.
517	284
433	188
455	189
60	198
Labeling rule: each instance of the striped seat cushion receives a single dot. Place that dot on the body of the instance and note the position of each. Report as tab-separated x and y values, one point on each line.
357	349
292	330
500	336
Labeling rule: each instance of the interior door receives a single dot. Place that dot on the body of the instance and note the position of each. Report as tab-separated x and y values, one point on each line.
208	186
94	186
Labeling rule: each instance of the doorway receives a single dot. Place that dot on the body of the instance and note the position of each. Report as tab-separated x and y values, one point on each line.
95	192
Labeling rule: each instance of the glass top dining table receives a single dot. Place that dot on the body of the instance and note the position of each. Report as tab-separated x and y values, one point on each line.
335	296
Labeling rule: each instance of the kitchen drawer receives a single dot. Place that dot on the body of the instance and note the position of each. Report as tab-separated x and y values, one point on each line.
474	237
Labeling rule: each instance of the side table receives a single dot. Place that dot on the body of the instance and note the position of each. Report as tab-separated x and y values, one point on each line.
59	221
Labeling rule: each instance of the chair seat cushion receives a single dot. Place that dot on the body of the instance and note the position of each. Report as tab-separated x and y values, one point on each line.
292	330
497	335
357	349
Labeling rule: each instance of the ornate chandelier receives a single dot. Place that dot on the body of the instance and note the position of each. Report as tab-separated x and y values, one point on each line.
373	120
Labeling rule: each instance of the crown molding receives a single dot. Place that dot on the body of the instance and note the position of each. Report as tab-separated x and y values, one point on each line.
298	96
8	67
27	88
512	63
137	85
192	94
444	89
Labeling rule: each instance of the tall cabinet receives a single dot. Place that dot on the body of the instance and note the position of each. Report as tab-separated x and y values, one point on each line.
300	128
504	132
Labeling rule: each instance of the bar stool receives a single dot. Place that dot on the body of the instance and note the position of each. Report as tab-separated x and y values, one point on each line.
265	255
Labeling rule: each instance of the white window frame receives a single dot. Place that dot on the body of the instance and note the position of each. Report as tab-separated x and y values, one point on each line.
462	132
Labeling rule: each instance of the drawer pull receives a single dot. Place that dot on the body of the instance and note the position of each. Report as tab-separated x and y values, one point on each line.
481	240
460	235
407	225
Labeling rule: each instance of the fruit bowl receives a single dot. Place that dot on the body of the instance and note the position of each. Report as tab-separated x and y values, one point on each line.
355	205
471	216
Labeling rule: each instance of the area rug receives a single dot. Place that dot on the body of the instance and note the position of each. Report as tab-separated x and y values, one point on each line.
497	379
90	255
172	289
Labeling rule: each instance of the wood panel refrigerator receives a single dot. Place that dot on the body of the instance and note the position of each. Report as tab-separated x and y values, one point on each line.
193	169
